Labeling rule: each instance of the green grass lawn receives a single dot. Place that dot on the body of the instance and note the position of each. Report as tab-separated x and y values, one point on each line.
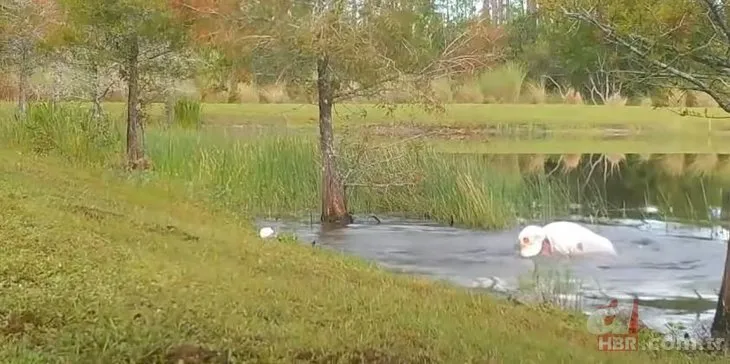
553	116
490	128
556	117
95	269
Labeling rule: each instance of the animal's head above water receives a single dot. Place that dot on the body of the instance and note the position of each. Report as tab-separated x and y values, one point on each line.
533	241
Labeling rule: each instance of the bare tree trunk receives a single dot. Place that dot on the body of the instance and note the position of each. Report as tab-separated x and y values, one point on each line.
721	322
57	83
135	153
334	204
232	86
97	94
170	95
169	108
23	79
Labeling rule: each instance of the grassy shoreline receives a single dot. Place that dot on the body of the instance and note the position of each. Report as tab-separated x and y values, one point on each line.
132	271
276	175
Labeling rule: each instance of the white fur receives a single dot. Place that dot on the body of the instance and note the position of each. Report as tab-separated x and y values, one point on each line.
566	238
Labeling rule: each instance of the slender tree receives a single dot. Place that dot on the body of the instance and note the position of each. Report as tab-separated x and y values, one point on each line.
136	35
24	25
352	51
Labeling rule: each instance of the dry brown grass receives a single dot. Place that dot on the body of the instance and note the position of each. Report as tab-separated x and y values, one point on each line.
535	93
672	164
468	93
273	94
703	164
442	90
646	102
572	97
722	167
616	100
570	162
645	157
699	99
613	160
532	163
247	93
675	97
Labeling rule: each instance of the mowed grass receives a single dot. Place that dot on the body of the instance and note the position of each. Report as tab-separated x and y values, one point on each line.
555	117
96	269
485	128
552	116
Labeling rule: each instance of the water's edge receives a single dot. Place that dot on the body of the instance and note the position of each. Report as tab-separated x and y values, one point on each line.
673	269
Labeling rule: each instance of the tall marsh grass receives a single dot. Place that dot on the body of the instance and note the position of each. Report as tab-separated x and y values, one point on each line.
275	174
279	175
188	113
553	285
70	131
503	84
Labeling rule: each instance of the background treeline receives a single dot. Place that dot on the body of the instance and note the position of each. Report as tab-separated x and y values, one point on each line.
543	58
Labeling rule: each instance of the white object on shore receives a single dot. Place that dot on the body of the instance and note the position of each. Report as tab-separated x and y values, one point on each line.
266	232
562	238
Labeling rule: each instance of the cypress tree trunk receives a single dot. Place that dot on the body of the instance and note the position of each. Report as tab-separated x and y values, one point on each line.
334	203
135	152
721	322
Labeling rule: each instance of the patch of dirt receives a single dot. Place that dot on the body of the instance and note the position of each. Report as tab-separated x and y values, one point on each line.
449	132
191	354
479	132
97	214
170	230
18	323
92	213
442	132
373	356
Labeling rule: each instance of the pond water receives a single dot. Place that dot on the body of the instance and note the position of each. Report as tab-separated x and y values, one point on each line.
671	263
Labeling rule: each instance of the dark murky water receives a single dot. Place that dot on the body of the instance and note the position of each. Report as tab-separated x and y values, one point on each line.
673	268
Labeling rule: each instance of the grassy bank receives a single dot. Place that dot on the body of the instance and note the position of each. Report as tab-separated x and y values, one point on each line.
101	270
278	175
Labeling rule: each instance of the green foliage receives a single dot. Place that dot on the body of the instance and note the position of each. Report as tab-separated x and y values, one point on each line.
188	113
572	54
70	131
104	33
114	23
364	47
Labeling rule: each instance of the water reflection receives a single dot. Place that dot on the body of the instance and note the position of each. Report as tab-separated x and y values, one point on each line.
684	187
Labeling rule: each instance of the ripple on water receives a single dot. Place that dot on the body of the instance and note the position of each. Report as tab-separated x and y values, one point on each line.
653	265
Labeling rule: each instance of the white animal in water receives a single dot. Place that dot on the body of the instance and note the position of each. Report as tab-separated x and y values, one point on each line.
562	238
266	232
